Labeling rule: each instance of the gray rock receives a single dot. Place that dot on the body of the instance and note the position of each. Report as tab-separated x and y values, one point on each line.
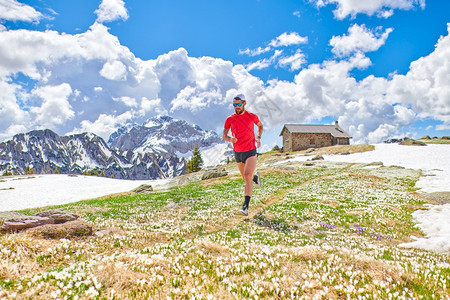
188	178
172	205
59	216
309	150
101	233
215	173
285	168
6	215
374	163
143	189
317	157
22	223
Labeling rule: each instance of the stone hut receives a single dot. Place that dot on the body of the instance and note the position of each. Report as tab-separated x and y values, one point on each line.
300	137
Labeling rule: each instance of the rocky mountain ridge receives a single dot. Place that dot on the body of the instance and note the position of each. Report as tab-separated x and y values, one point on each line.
157	149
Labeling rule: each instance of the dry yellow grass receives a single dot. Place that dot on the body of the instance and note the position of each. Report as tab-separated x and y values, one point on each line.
341	149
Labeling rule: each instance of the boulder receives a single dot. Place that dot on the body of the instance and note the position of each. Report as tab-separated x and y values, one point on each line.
374	163
22	223
215	173
317	157
59	216
309	150
77	228
285	168
6	215
143	189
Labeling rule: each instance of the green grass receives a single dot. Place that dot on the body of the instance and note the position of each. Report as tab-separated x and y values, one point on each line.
311	230
442	140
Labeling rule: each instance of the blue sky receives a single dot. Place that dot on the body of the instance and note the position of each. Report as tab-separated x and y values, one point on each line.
379	67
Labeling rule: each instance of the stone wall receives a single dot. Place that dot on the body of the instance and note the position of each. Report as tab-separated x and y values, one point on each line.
341	141
287	141
302	141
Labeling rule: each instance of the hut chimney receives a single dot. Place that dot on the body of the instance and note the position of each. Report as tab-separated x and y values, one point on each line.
336	125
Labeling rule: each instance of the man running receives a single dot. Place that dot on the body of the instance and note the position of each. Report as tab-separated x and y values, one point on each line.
243	138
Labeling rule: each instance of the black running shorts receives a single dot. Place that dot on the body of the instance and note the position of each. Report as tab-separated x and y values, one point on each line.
241	157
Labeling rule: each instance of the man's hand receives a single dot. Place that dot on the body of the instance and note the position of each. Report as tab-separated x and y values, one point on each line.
233	139
258	142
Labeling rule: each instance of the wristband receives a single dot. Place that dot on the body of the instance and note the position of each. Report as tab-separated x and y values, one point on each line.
258	136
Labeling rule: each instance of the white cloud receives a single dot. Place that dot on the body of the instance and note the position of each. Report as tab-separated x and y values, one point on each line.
287	39
148	105
69	68
264	63
10	111
359	38
105	124
293	62
426	86
382	8
128	101
12	10
111	10
255	52
443	127
49	47
114	70
55	108
259	64
297	14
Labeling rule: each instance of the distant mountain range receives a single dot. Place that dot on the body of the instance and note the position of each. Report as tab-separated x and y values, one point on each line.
159	148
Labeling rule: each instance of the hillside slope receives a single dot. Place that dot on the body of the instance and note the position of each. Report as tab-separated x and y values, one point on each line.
323	229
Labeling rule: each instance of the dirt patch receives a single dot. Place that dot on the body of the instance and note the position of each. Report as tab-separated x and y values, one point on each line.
115	195
118	277
376	269
212	248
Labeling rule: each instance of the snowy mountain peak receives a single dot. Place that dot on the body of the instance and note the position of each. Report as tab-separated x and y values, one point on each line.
163	134
156	149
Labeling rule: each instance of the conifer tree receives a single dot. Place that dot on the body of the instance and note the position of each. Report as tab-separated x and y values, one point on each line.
29	170
195	162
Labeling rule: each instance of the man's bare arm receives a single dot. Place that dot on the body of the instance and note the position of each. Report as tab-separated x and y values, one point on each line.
260	128
227	138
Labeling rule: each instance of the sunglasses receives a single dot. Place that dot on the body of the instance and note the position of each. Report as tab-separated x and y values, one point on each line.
238	104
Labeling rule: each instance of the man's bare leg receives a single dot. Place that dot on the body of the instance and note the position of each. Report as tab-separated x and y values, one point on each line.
247	169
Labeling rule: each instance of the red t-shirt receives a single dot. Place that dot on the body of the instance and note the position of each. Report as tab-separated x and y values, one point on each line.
242	128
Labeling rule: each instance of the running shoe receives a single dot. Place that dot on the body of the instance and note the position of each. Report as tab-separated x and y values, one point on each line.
243	211
257	179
